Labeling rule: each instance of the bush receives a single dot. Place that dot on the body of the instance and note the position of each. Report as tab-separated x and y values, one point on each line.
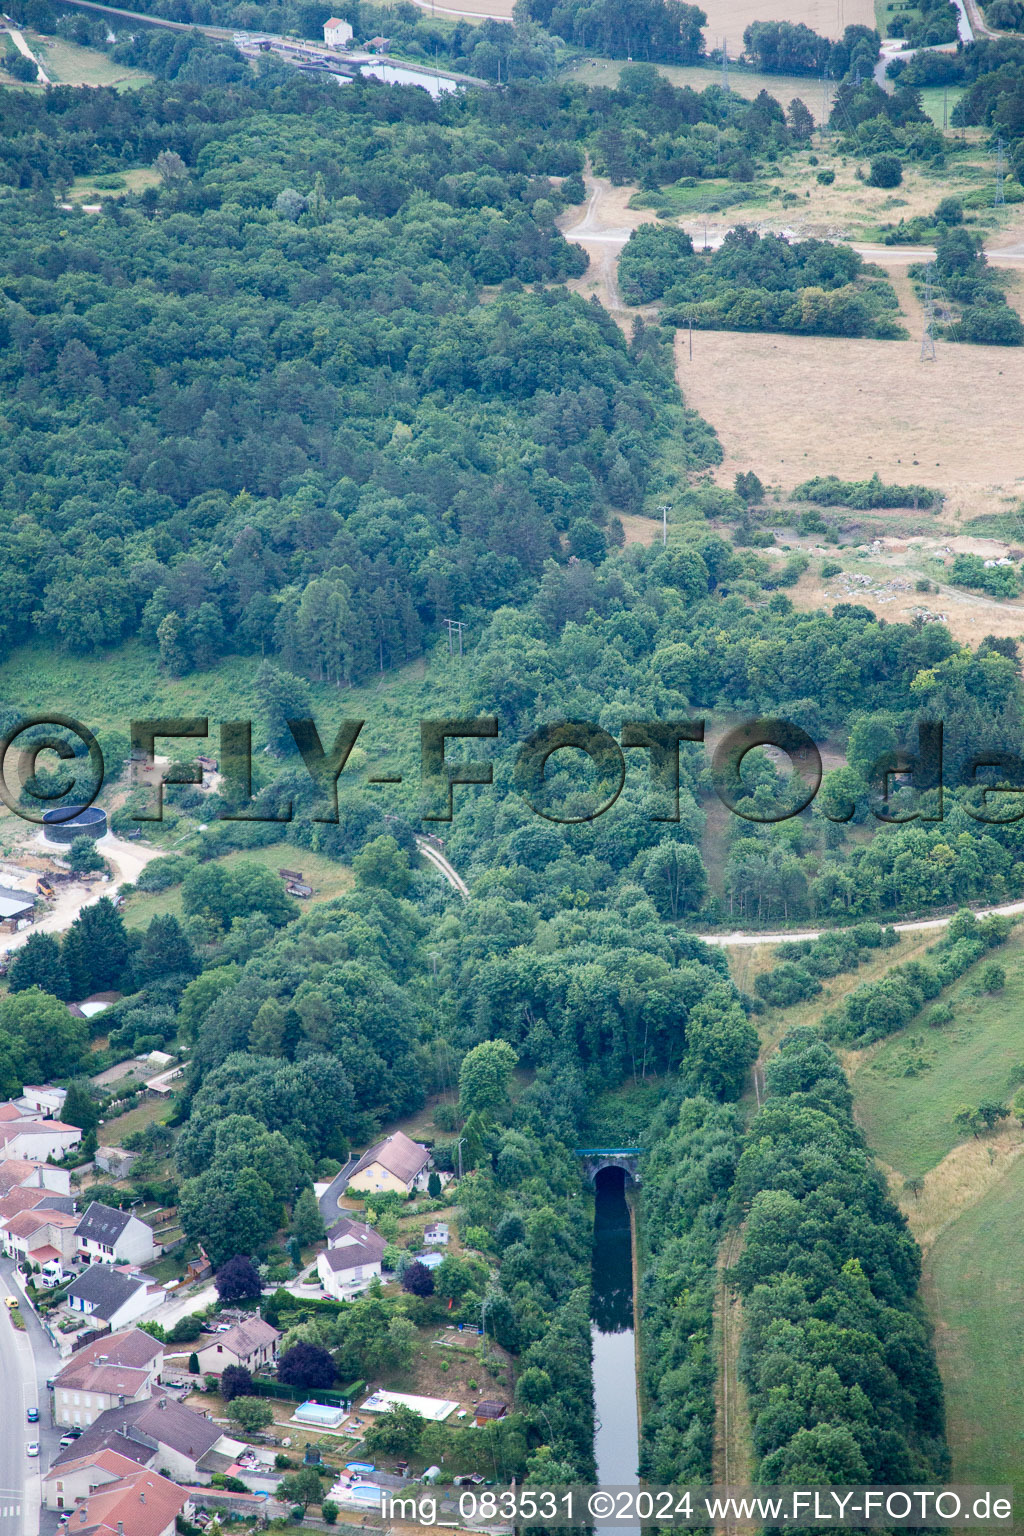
235	1381
238	1280
886	171
830	568
330	1511
826	178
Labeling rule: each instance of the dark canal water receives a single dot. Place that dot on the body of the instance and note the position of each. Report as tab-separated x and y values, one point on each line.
617	1436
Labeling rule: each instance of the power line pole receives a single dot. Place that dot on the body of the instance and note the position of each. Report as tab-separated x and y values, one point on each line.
1000	173
826	103
664	526
945	107
927	339
453	625
725	64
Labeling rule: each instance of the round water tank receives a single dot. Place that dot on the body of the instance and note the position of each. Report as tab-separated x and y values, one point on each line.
66	822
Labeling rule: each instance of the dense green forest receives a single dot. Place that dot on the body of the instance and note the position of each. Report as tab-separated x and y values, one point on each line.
325	386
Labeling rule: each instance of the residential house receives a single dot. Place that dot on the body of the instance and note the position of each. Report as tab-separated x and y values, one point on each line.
353	1258
157	1432
45	1102
437	1234
111	1372
41	1235
66	1483
252	1344
141	1504
26	1136
113	1295
378	45
487	1410
115	1161
397	1163
337	34
108	1236
20	1173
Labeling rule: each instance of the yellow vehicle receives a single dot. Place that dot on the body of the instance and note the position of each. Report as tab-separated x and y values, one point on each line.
10	1302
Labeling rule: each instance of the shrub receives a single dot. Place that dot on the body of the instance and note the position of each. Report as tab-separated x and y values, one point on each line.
826	178
830	568
886	171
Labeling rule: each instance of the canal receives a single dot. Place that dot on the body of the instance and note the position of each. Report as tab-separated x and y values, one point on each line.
617	1422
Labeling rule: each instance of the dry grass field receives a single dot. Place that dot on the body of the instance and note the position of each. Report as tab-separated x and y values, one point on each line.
728	18
746	83
791	407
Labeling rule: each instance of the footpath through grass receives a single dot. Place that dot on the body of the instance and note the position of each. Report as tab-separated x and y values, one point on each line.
909	1090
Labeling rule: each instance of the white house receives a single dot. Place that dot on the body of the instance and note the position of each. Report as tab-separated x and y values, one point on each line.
107	1236
17	1173
353	1258
113	1296
252	1344
44	1101
337	34
26	1136
436	1234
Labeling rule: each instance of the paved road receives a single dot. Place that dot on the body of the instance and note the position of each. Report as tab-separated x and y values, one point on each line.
26	1360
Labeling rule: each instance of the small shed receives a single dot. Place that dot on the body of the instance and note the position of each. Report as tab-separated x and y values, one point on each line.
115	1160
488	1410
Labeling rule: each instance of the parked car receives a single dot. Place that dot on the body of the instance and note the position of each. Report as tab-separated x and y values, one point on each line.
33	1448
10	1302
33	1415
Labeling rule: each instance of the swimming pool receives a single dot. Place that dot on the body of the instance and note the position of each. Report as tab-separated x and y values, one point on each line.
320	1413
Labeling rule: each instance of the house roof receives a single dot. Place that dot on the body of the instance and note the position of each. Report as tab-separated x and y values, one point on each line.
14	1172
335	21
142	1504
131	1347
11	1111
44	1255
105	1288
27	1222
13	902
20	1200
245	1338
352	1242
119	1363
108	1460
398	1154
103	1224
130	1431
490	1408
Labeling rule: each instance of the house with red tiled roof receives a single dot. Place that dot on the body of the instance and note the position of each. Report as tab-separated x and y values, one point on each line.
337	33
140	1504
30	1231
22	1173
120	1368
64	1485
25	1136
